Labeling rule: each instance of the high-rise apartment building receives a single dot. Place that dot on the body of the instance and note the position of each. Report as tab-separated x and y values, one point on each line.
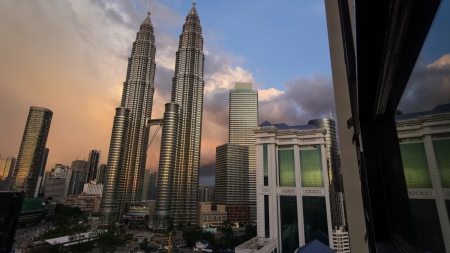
149	188
206	193
231	175
243	119
76	184
101	170
41	172
181	134
124	174
425	149
6	170
152	186
32	151
93	163
334	174
293	195
80	166
57	185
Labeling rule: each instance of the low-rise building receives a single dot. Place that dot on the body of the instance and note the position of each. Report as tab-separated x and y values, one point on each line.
93	188
86	202
140	215
210	214
341	242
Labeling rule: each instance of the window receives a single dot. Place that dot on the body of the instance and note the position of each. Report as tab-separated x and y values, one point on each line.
265	165
428	228
415	165
311	167
315	219
289	224
442	153
266	216
286	167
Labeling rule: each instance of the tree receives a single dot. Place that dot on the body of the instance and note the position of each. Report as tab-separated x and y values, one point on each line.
109	241
143	245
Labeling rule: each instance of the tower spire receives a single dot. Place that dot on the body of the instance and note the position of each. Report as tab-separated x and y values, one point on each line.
148	12
193	3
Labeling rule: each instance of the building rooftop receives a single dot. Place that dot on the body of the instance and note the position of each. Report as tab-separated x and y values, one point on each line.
283	126
445	108
314	247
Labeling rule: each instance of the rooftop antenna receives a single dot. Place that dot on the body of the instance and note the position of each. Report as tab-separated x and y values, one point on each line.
149	4
331	116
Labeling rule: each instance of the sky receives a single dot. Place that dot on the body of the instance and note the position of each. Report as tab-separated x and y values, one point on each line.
71	57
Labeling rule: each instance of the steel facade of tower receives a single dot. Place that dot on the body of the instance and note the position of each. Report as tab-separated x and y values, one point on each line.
93	163
243	119
334	172
124	174
178	175
32	151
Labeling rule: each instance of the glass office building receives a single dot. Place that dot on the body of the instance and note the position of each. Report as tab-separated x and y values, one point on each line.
293	200
242	120
32	151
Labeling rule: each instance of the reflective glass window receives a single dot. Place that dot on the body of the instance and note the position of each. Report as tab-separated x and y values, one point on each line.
286	166
428	228
442	153
311	167
415	165
266	216
315	219
265	165
289	224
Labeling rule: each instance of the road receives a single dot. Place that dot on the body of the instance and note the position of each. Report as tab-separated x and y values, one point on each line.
27	234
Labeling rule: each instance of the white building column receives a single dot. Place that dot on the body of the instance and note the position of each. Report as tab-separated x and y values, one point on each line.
436	181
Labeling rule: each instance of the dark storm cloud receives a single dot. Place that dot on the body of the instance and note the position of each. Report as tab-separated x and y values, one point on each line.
428	86
302	100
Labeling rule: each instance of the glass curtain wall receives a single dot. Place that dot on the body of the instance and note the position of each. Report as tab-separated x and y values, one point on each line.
286	166
315	219
289	224
428	228
265	165
266	216
415	165
442	152
311	167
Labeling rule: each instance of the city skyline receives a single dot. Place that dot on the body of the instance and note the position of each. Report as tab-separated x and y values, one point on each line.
93	84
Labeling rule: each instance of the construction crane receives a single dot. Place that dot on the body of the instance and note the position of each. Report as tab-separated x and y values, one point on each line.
78	155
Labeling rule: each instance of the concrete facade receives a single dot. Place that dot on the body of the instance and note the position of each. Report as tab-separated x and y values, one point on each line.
296	188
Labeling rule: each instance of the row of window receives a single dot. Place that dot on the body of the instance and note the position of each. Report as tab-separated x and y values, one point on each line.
415	164
310	167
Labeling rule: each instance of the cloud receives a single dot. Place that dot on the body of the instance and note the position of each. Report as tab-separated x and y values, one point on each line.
267	95
428	86
303	99
71	57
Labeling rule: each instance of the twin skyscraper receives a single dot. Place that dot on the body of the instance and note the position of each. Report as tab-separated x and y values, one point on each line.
176	195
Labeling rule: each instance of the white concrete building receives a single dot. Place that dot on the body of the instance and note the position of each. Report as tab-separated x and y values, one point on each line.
341	242
57	185
292	189
425	147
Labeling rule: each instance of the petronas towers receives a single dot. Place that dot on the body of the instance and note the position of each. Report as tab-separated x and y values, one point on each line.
176	196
